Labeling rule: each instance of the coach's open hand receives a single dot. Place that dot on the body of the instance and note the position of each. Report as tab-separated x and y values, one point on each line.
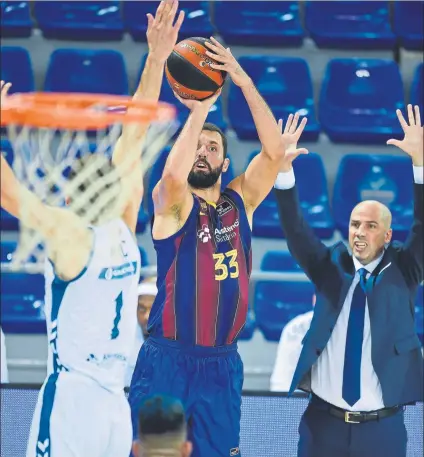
161	33
290	137
412	142
227	62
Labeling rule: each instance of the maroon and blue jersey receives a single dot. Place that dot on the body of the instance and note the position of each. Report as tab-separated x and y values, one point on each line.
203	275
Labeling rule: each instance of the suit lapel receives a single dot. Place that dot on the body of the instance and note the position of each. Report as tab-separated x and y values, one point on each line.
379	272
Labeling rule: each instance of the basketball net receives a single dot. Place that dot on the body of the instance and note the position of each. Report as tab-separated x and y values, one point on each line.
77	137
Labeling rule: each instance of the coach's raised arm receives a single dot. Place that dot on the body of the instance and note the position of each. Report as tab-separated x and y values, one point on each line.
361	358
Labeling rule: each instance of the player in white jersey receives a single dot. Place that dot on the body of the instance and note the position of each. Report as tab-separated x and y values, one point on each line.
91	293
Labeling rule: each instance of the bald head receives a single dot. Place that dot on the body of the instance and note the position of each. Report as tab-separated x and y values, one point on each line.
381	212
369	230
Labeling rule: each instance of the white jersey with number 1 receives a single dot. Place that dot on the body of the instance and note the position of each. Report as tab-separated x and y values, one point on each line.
91	322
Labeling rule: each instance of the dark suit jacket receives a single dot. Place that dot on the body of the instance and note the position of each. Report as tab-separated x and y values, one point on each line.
392	288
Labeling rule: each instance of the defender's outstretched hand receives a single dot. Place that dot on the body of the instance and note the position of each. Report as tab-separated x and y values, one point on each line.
291	134
412	142
161	33
227	62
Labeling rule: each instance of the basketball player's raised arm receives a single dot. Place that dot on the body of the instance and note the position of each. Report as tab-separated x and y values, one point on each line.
255	184
161	38
62	230
172	192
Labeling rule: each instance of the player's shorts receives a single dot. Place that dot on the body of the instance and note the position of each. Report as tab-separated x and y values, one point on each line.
208	380
76	417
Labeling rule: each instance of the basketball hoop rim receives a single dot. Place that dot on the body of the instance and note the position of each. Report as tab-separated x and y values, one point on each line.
75	110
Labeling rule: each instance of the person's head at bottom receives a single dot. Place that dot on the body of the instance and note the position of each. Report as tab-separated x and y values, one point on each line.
369	230
162	429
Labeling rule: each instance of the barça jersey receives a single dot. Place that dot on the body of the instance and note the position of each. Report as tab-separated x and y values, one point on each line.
203	275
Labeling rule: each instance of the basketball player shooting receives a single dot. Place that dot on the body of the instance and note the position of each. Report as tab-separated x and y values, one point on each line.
91	292
202	237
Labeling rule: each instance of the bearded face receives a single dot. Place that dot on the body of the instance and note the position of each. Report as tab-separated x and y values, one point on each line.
203	176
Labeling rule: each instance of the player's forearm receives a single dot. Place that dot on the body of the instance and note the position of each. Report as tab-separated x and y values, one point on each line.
20	202
129	146
418	158
148	89
181	158
151	79
265	123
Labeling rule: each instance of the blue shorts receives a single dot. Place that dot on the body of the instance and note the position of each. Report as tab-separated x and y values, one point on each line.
208	380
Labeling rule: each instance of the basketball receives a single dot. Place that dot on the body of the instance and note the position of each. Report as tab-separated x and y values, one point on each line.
189	72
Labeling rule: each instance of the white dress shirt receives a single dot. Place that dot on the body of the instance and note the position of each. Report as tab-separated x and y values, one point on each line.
4	376
289	349
327	372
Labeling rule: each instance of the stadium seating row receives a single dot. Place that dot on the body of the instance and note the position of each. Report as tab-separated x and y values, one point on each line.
335	24
359	177
357	102
274	303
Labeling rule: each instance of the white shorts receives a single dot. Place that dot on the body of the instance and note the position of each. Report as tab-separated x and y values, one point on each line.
75	417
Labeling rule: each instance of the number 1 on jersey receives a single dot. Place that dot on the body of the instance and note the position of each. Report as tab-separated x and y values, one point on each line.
118	308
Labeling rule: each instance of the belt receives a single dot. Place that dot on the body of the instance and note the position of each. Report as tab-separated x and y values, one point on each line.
354	417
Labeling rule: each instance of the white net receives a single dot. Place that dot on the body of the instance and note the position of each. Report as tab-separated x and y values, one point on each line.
74	168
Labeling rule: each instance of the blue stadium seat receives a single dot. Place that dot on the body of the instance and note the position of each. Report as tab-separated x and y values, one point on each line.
22	284
166	95
16	68
259	23
21	314
279	261
16	19
374	177
154	176
196	22
358	100
82	20
350	25
22	303
408	23
417	93
312	186
7	221
7	248
142	220
249	328
82	70
7	151
285	84
277	303
143	255
157	170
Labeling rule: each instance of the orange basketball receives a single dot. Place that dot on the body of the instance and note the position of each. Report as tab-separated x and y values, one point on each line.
189	72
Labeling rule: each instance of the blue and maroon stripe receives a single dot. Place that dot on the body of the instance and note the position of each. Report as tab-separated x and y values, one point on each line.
169	325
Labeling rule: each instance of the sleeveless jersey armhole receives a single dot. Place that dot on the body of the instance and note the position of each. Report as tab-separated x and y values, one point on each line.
58	279
235	197
191	216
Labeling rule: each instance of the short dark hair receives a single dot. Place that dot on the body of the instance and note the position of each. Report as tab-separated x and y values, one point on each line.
208	126
161	414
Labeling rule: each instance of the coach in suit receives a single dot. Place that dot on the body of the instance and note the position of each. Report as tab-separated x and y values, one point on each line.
361	358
